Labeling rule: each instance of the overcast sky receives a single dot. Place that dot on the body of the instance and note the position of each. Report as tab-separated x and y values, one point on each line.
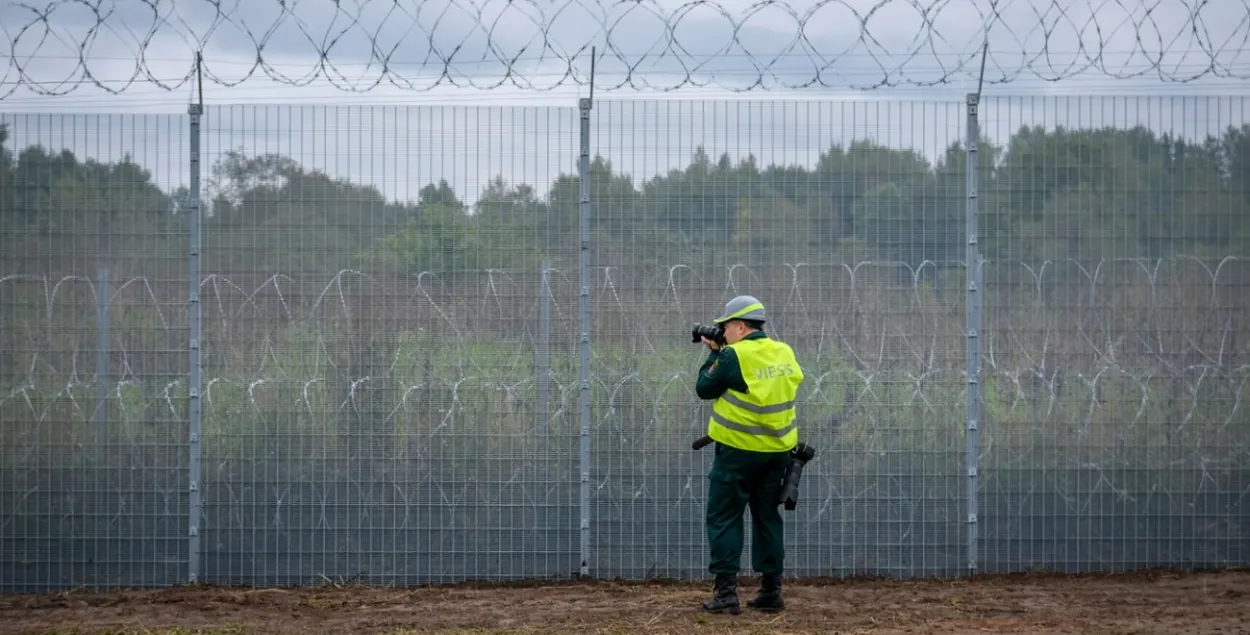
530	61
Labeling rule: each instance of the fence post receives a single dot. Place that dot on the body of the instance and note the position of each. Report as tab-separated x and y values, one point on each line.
102	364
193	445
584	105
972	300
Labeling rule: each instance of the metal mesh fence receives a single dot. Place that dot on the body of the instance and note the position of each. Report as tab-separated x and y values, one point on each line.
1115	359
390	307
93	271
372	325
843	284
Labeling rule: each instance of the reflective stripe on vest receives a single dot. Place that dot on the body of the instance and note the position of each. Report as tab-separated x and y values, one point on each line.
756	430
763	418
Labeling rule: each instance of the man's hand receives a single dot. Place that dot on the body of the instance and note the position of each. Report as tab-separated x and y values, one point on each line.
713	346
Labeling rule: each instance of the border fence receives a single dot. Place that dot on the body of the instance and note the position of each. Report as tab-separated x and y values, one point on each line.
309	380
292	345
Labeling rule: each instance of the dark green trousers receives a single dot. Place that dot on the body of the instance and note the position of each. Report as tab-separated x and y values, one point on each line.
740	479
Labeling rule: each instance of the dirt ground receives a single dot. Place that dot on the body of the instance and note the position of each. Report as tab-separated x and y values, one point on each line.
1144	603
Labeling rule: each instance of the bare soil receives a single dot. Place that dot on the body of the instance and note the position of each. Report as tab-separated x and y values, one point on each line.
1141	603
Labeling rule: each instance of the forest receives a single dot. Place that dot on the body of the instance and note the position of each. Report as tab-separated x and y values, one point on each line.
1057	194
339	322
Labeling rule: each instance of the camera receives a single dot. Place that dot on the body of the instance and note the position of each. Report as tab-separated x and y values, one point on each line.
714	333
799	457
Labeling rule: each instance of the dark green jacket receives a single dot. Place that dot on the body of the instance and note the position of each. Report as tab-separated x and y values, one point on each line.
721	372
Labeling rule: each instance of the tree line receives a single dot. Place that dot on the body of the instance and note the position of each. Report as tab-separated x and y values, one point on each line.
1044	194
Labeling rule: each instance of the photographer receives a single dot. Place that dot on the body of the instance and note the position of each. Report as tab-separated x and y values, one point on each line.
753	380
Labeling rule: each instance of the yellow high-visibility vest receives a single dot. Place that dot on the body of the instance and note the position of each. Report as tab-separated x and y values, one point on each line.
763	418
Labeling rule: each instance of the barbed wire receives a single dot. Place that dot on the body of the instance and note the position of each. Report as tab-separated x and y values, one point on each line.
654	45
1100	335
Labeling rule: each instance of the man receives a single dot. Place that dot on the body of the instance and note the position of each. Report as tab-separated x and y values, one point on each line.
753	380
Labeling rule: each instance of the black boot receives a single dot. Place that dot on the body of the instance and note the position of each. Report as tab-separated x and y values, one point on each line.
726	595
769	597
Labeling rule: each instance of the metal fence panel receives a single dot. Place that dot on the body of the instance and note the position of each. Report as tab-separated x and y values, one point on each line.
856	256
372	311
93	283
1116	234
392	353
